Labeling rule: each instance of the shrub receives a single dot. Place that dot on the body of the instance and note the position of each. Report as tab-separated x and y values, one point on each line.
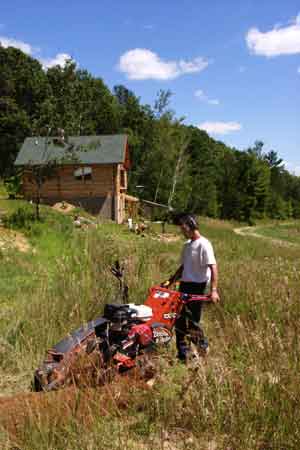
22	218
13	186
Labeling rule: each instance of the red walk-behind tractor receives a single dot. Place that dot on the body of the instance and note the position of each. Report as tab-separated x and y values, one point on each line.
123	338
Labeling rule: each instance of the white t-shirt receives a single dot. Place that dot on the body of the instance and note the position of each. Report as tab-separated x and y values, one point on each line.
196	256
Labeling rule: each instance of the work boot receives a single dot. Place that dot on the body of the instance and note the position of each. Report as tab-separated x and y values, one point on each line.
183	351
203	347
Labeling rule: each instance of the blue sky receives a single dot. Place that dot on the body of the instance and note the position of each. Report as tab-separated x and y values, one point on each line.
233	66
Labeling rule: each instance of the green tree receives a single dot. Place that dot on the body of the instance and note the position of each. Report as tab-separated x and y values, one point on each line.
139	123
205	173
23	85
14	127
79	103
23	80
252	185
39	174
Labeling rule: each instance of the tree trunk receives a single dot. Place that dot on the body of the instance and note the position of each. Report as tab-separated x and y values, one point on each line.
37	207
183	145
175	177
158	185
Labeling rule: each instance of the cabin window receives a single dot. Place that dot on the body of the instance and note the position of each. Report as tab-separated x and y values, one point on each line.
83	173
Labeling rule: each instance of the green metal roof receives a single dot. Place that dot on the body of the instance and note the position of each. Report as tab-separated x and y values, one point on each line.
108	149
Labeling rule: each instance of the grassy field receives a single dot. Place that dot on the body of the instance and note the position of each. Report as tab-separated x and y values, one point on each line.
289	232
245	395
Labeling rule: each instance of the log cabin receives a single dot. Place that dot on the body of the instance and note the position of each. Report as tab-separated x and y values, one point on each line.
90	172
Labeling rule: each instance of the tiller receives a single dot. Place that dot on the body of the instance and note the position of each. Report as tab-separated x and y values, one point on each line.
121	339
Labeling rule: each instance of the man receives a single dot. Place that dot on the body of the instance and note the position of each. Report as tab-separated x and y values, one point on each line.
198	269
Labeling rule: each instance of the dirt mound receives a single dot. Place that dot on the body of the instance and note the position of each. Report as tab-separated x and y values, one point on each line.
63	207
13	239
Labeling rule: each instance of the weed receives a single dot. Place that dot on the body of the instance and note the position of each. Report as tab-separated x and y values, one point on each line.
243	396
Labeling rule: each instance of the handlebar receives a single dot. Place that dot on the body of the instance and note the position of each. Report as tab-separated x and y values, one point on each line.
186	298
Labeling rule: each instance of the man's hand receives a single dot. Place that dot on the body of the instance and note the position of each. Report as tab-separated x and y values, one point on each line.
214	295
166	283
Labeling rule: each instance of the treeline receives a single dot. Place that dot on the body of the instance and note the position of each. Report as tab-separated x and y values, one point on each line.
172	163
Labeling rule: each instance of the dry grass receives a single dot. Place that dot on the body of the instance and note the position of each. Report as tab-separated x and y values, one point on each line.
243	396
13	239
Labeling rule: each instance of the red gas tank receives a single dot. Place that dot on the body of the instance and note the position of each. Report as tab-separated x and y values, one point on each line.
165	304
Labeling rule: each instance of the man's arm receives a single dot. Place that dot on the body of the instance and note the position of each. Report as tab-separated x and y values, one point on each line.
177	274
174	277
214	283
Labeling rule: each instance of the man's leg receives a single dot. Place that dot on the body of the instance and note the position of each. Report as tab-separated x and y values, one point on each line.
187	316
181	330
194	328
193	313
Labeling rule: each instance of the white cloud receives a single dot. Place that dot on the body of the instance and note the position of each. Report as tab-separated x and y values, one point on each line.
213	101
202	97
196	65
199	93
59	60
143	64
284	40
9	42
220	127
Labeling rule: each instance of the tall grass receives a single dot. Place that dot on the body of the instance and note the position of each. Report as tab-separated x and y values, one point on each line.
243	396
289	232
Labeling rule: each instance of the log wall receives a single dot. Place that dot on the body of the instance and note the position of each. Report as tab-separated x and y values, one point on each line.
101	194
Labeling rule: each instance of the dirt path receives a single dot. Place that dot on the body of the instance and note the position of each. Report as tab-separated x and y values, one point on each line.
252	231
13	239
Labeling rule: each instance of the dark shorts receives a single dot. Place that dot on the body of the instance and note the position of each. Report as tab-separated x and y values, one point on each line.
192	288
